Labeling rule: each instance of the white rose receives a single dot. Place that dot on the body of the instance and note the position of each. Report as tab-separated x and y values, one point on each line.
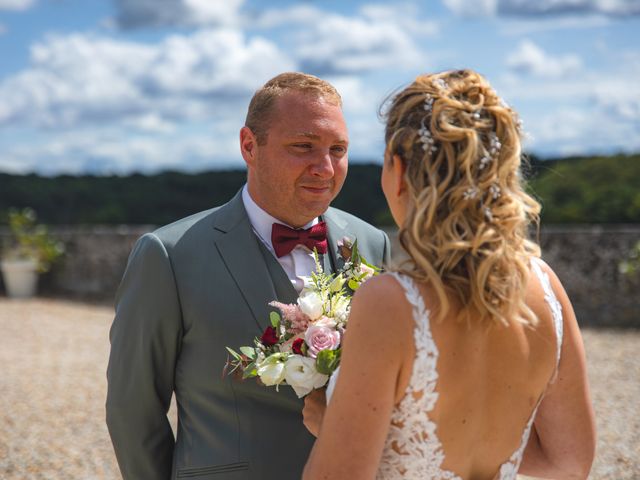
311	305
271	373
300	372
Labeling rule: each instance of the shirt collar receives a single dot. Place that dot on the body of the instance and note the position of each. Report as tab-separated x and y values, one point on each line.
261	221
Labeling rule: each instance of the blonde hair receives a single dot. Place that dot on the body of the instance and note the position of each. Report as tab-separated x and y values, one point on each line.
262	103
472	247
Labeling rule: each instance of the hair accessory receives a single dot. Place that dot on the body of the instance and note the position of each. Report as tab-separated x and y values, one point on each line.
470	193
494	191
494	150
427	140
441	83
428	103
494	144
487	214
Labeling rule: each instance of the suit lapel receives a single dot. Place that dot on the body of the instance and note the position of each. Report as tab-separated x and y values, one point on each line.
240	250
285	292
336	231
258	275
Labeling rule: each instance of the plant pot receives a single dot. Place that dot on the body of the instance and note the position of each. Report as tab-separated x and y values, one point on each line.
20	277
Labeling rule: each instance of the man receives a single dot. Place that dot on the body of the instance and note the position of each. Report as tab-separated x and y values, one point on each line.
200	284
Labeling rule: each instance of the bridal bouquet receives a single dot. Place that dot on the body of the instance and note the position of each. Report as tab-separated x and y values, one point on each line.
302	346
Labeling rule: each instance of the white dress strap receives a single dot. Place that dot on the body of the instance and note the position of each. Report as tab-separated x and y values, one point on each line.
552	301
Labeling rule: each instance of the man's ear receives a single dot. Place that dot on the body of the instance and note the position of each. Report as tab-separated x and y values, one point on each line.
399	169
248	145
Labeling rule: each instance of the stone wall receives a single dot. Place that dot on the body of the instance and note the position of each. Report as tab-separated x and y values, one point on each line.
585	258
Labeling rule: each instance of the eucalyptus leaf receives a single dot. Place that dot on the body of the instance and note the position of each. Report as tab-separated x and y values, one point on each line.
275	319
234	354
249	352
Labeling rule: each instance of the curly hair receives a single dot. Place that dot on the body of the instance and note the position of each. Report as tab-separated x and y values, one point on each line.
467	225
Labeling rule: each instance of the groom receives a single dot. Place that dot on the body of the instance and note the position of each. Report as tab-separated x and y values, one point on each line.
202	283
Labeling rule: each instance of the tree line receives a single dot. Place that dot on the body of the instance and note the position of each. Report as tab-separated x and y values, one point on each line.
571	190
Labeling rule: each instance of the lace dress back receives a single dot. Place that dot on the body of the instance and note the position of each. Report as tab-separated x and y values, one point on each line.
412	432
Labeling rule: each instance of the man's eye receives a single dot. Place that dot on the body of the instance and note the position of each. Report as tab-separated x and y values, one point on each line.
301	145
339	149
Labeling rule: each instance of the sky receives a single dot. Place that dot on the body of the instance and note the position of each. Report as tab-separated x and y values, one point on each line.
120	86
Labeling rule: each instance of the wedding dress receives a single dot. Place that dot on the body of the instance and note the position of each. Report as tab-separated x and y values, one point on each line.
411	430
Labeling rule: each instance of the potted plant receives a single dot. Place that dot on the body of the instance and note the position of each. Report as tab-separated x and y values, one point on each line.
29	252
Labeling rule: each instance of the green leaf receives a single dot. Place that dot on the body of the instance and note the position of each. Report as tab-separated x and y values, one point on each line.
234	354
328	360
250	371
337	283
355	255
353	284
249	352
275	319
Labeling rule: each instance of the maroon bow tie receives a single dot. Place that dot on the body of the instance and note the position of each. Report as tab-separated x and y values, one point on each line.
285	239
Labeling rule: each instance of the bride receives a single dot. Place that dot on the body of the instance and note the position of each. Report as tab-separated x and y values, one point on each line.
466	362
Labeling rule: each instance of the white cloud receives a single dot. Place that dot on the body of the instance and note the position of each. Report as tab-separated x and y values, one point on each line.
573	131
375	37
594	112
472	8
348	45
84	78
543	7
158	13
16	4
113	152
295	15
529	58
535	26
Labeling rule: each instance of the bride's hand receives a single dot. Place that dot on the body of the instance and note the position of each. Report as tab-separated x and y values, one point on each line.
315	405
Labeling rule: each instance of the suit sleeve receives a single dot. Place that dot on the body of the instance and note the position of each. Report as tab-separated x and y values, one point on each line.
386	253
145	340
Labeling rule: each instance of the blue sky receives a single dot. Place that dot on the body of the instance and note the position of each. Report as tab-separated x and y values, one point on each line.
121	86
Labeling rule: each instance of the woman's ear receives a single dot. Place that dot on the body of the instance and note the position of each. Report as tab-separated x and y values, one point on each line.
399	169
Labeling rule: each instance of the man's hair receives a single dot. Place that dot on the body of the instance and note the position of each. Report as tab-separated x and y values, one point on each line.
262	104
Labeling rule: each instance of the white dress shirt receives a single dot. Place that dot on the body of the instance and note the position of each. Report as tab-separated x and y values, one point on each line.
297	264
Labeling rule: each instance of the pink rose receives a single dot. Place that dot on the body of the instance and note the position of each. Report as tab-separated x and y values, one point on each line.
319	337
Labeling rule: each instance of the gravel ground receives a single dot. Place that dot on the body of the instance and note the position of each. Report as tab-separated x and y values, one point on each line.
52	391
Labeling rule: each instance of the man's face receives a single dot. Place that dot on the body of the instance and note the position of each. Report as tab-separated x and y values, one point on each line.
303	165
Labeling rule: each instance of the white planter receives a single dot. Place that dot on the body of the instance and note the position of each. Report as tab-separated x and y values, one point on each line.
20	277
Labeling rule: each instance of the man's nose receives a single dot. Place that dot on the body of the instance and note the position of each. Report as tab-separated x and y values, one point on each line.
323	165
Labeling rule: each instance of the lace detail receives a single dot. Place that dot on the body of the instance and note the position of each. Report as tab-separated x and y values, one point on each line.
412	449
554	304
510	469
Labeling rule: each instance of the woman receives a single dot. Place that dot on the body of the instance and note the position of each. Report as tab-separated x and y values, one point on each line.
466	363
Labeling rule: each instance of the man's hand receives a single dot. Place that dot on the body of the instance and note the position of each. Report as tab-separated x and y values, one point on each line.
315	405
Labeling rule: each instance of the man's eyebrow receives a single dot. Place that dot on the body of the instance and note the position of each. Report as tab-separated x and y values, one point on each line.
313	136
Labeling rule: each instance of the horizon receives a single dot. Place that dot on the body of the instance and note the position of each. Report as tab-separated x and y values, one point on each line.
118	87
242	168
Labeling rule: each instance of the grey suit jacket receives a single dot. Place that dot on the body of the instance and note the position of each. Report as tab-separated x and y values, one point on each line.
190	289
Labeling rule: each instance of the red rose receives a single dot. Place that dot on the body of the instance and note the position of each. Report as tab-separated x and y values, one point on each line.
269	337
297	346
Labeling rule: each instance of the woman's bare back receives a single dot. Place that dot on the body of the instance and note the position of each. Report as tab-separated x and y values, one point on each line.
489	381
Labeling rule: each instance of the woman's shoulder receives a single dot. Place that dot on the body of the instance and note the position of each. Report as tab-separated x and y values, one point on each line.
382	291
381	302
